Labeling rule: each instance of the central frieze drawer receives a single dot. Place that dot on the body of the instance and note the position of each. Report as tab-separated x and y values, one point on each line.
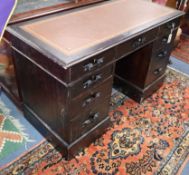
91	98
91	81
136	43
92	64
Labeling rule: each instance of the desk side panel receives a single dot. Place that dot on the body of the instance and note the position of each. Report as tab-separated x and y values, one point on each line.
42	94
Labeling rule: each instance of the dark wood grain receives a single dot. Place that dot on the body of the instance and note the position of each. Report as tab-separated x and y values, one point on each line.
136	93
134	67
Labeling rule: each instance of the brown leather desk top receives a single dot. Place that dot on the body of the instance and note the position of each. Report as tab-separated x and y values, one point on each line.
79	30
75	32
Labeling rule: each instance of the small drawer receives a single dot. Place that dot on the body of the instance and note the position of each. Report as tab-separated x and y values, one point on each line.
92	64
154	73
91	98
168	27
91	81
160	58
86	121
165	40
136	43
161	54
162	42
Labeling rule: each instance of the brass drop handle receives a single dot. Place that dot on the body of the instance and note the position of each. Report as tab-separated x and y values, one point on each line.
171	26
157	71
97	77
92	119
162	54
91	81
85	123
88	67
94	116
94	63
140	41
164	39
99	61
87	84
91	99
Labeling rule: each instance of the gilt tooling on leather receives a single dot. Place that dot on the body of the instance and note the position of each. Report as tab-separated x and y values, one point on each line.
79	30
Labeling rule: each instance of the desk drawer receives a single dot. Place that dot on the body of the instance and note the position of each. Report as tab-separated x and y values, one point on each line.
165	40
91	98
136	43
92	64
166	28
160	57
88	120
156	70
91	81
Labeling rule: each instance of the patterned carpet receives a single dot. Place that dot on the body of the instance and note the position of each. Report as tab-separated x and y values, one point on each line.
17	135
151	138
181	52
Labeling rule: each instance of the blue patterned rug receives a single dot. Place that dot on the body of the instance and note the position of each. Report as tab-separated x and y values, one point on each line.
17	135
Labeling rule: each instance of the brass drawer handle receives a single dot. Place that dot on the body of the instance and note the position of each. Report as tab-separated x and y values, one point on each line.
162	54
158	71
87	84
139	42
164	39
91	99
94	63
171	25
92	119
92	81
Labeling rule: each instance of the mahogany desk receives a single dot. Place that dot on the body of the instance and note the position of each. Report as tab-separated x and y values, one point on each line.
66	64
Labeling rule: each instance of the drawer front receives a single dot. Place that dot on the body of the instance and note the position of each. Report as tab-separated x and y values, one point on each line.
91	98
161	57
136	43
165	40
91	81
156	71
166	28
88	120
92	64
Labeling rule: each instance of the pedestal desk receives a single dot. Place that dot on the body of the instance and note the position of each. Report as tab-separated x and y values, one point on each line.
67	62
